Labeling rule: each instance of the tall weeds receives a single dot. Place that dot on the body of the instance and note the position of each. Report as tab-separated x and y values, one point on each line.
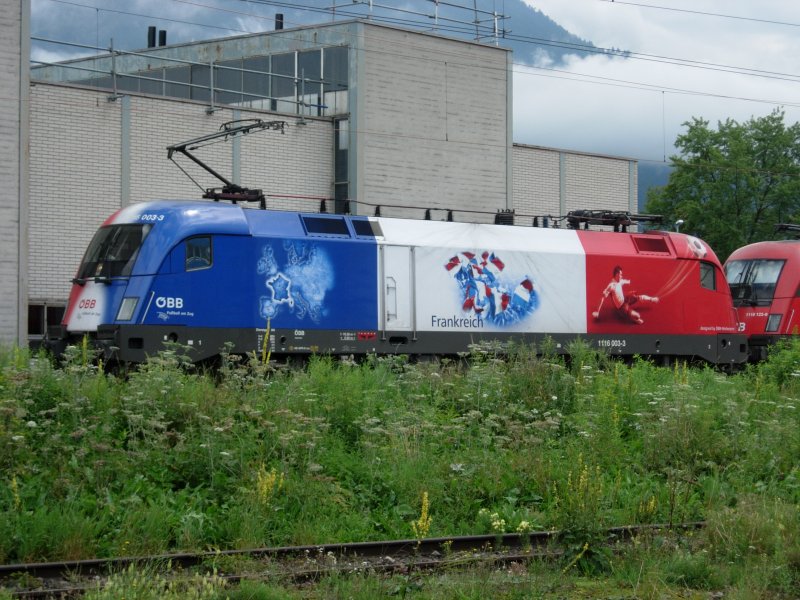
171	459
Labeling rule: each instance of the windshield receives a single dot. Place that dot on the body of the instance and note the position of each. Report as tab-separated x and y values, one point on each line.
112	252
753	282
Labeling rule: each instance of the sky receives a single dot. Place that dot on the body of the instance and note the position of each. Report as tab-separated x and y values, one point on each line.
712	59
636	107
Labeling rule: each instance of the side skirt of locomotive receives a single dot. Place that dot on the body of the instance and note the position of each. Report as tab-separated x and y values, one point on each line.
134	343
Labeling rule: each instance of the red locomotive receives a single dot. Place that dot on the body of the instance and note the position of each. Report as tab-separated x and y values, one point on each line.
763	278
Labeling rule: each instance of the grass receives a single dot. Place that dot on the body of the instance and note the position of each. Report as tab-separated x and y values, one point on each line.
170	459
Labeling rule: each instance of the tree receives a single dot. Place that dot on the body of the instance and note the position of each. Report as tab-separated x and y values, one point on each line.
733	185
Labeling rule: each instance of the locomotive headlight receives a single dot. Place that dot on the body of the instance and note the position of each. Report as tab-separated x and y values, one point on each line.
773	322
126	309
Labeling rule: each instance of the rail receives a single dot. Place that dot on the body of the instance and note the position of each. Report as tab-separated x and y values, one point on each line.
302	563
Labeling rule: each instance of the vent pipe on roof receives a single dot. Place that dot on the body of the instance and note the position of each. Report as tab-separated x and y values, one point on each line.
162	37
151	36
278	21
504	216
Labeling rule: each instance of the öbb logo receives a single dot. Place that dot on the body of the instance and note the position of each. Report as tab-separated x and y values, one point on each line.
87	303
168	302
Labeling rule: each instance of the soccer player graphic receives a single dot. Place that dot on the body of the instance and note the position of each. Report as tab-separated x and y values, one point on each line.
623	303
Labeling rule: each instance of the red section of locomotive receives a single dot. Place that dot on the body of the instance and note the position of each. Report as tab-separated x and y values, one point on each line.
654	283
765	284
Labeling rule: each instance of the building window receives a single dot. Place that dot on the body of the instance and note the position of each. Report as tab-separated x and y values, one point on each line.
152	82
177	81
42	316
255	84
228	81
309	73
335	68
341	156
282	82
201	82
334	80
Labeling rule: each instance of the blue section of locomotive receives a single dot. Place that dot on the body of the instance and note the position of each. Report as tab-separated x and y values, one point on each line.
159	280
174	221
207	273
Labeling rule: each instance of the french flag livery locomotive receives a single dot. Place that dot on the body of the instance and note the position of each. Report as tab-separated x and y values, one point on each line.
206	274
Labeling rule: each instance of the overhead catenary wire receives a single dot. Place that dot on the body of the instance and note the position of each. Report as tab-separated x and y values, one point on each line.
393	135
522	68
587	48
160	18
622	83
701	12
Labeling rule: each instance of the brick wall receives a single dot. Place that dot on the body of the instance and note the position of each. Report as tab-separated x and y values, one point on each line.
542	176
596	182
11	199
74	181
536	181
77	158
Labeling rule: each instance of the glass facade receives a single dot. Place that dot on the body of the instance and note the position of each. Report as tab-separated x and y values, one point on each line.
307	82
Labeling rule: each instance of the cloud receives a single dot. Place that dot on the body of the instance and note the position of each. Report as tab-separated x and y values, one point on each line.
598	104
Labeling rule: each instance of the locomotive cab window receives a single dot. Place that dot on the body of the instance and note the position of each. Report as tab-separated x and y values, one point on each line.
708	277
198	253
113	251
753	282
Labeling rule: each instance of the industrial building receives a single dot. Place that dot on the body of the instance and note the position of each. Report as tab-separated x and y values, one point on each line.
368	118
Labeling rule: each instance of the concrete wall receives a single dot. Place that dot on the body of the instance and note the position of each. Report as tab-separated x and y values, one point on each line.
14	45
431	123
90	156
554	182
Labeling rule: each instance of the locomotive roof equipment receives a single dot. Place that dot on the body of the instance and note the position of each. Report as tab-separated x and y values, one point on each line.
230	191
788	227
619	220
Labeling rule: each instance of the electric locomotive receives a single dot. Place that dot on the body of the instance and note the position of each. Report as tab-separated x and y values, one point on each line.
210	275
763	278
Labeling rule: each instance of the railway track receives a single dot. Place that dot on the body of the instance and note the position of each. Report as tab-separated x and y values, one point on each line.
71	579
